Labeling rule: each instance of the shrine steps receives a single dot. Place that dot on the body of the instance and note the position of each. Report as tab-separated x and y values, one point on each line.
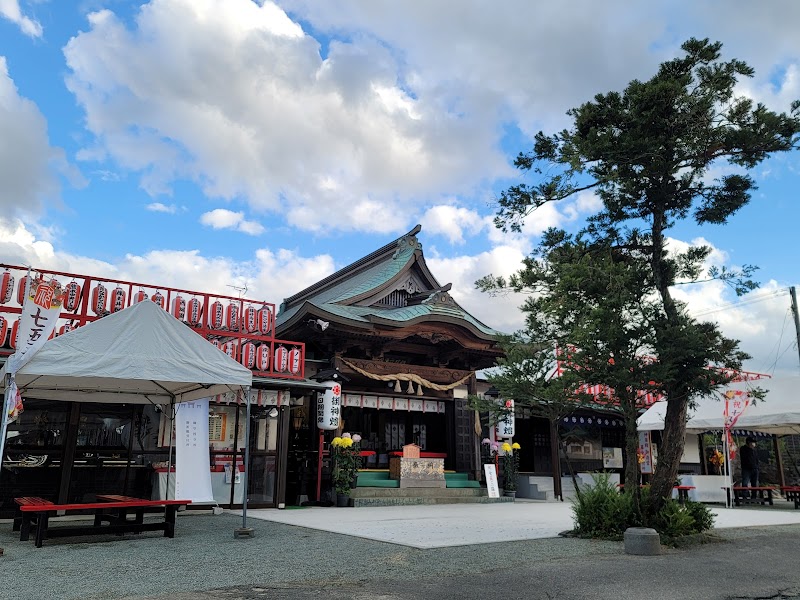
376	489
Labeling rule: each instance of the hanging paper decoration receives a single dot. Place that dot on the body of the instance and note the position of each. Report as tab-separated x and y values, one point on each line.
194	312
99	299
249	355
118	299
281	359
262	357
294	361
232	317
178	308
72	296
329	406
159	299
139	296
23	283
3	329
250	319
419	390
264	320
6	286
216	315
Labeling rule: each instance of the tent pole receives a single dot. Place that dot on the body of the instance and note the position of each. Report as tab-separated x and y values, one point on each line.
4	419
244	530
169	459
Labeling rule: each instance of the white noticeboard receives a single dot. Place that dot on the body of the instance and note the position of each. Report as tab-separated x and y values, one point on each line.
192	463
612	458
491	481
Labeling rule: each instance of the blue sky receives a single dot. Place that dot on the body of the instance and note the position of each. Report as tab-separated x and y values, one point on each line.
207	143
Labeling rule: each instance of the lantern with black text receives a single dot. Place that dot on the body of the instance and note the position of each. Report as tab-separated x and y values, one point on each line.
117	299
194	312
64	329
281	362
72	296
178	308
250	319
23	283
216	344
262	357
294	361
159	299
264	320
249	355
99	299
6	286
139	296
3	329
329	406
232	317
14	335
216	315
505	424
229	348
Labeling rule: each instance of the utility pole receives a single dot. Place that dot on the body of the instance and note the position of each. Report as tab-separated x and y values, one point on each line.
793	294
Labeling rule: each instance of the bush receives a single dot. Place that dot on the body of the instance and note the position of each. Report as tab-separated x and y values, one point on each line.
602	512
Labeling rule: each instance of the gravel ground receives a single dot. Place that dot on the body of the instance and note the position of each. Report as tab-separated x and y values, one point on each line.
204	561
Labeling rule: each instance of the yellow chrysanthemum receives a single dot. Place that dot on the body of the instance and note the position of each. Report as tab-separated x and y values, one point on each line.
336	442
516	446
506	447
347	442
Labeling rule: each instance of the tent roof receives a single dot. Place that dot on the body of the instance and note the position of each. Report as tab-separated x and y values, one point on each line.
778	413
139	355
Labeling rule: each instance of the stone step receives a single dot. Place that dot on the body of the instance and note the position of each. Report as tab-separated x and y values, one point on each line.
375	492
359	502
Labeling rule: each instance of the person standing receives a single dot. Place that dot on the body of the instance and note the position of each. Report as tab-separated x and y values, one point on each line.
749	462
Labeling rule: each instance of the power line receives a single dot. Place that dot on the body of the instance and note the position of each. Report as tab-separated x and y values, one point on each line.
777	346
745	302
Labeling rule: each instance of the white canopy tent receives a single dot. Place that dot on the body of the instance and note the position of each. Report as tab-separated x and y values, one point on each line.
778	413
140	355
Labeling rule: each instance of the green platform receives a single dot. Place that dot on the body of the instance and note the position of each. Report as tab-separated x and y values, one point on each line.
380	479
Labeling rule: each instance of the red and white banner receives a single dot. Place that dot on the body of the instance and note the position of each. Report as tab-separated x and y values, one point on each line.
736	402
43	303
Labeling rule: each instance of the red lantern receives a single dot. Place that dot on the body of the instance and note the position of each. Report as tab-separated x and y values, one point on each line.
249	355
23	283
72	296
117	299
250	319
232	317
3	329
64	329
159	299
216	316
99	299
229	348
12	338
294	361
264	320
281	359
262	357
6	286
179	308
194	312
139	296
215	343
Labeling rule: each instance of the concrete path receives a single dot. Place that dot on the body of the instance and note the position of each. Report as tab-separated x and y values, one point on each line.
444	525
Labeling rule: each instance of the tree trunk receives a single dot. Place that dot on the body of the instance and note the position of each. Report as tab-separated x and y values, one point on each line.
670	452
632	471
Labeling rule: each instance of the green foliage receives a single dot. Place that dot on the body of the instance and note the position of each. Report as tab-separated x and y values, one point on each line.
601	511
510	462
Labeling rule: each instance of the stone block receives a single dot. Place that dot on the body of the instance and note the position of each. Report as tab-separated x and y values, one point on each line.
643	541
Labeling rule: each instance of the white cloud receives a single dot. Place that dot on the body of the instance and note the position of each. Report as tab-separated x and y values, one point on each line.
453	222
222	218
27	161
159	207
10	10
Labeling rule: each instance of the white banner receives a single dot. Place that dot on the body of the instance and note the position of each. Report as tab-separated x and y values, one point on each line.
37	321
192	462
491	481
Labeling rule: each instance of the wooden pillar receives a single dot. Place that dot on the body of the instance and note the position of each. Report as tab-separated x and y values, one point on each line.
282	459
779	461
555	460
703	457
70	445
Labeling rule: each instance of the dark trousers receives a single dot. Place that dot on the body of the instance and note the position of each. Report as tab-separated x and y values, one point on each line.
750	478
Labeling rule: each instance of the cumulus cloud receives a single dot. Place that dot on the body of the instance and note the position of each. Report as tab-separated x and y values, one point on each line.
222	218
236	97
9	9
453	222
28	164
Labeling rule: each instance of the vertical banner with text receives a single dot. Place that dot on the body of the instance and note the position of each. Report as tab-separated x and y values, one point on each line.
192	462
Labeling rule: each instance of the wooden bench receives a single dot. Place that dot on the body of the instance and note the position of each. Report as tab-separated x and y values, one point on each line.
792	494
110	516
750	495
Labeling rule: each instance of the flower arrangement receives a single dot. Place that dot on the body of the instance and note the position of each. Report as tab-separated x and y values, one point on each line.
717	459
489	451
346	451
510	465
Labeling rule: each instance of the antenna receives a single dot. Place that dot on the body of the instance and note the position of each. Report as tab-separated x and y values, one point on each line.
241	289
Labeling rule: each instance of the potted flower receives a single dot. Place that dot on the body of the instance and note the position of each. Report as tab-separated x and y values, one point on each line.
510	468
346	452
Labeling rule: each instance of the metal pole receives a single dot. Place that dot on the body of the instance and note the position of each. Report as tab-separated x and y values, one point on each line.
793	294
4	419
244	530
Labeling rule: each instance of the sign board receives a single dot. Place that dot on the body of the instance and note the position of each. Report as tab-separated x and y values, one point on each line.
491	481
612	458
192	462
329	406
505	425
645	454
